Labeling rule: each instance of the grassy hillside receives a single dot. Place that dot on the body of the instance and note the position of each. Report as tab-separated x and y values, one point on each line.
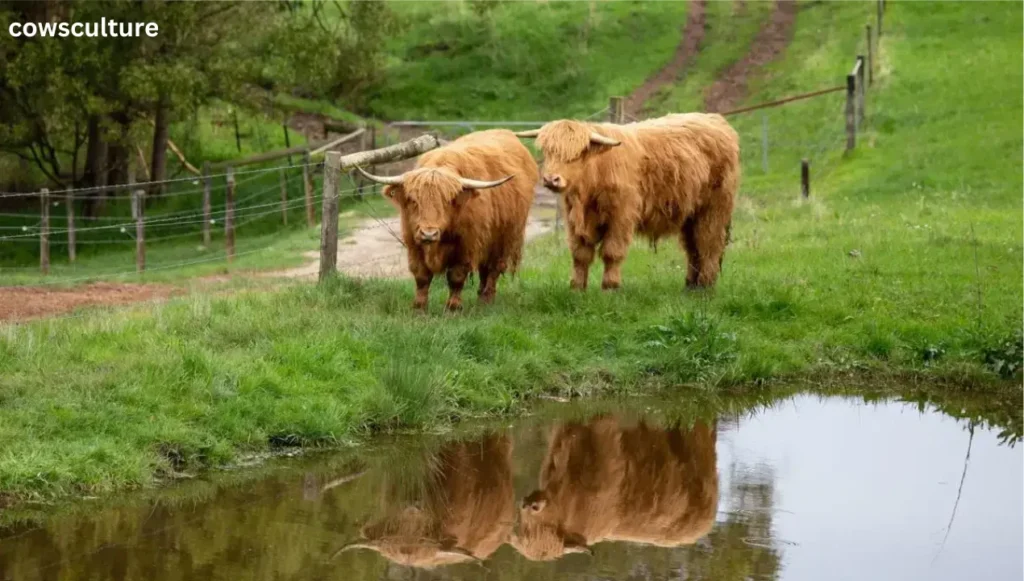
522	60
906	264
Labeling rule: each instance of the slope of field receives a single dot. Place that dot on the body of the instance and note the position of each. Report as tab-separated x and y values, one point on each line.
523	60
905	264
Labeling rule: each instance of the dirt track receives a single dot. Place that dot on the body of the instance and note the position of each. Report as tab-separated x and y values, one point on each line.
727	91
689	46
31	302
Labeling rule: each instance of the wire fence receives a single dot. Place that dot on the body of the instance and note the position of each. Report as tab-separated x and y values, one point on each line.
264	200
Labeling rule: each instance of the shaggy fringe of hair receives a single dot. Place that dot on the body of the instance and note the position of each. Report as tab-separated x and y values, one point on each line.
564	140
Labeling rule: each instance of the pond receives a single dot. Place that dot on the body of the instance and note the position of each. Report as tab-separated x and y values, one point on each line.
805	488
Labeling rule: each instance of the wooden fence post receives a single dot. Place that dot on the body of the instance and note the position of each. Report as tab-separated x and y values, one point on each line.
373	145
287	140
69	201
878	16
805	178
764	142
307	186
329	217
229	215
860	90
284	195
207	185
360	182
238	136
139	204
871	55
616	112
44	231
851	112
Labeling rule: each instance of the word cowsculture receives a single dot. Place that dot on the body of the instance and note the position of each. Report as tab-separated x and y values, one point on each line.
102	29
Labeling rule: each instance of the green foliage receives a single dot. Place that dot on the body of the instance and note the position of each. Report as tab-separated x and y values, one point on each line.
1006	357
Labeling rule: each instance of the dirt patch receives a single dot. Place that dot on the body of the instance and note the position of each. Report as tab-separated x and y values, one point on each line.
773	38
374	250
693	34
30	302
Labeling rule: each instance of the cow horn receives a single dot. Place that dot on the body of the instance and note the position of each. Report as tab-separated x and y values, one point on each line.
528	133
479	185
386	180
352	546
598	138
459	553
578	549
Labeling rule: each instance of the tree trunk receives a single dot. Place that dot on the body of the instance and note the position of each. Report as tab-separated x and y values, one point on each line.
93	147
158	166
113	168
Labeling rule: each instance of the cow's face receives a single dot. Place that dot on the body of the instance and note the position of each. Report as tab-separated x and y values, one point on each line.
540	535
429	200
566	145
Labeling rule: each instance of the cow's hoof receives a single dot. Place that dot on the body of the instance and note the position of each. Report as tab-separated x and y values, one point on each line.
611	285
453	306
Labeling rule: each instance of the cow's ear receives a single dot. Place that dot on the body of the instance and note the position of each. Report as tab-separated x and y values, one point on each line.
464	196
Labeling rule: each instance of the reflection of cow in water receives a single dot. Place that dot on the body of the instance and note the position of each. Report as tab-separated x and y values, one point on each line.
466	512
606	482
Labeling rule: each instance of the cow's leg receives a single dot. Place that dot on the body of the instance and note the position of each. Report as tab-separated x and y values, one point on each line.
489	276
484	272
688	237
710	231
423	278
456	280
614	249
582	257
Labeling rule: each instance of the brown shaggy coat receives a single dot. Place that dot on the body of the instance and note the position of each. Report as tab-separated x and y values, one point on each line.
480	230
466	512
606	482
672	176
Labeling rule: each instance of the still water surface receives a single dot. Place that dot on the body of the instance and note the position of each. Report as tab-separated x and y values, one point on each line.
807	489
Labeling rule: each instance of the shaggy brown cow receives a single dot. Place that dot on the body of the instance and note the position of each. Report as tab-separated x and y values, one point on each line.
449	224
606	482
672	176
466	513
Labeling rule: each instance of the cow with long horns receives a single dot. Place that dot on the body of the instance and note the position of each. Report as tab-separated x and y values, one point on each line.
464	209
672	176
465	511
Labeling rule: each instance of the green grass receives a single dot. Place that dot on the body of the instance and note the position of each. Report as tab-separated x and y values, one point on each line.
523	60
291	103
905	265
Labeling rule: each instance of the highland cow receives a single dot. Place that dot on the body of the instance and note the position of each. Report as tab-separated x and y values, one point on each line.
606	482
451	225
465	513
672	176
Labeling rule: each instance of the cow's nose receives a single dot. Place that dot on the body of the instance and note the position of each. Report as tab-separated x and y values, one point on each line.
429	234
554	182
